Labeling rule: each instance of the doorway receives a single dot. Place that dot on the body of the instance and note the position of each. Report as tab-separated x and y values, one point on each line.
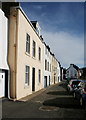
2	85
45	81
54	79
33	79
6	83
49	80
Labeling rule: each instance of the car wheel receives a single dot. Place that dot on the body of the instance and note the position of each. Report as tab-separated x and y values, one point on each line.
82	104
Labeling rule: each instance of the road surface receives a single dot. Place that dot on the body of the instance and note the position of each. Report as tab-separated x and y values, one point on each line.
54	102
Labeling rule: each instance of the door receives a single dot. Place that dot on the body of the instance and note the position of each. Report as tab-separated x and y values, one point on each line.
45	81
6	83
2	85
33	79
49	80
54	79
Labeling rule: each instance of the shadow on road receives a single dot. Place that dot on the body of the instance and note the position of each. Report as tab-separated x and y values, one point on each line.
63	99
58	93
62	102
64	85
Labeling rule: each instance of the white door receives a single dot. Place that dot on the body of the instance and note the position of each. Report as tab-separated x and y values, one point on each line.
2	85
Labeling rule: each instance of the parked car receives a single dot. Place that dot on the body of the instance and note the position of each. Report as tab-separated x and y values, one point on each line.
80	93
72	85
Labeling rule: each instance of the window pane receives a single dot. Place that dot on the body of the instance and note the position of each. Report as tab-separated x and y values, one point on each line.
28	43
25	78
39	53
45	64
39	75
34	47
28	76
48	66
27	70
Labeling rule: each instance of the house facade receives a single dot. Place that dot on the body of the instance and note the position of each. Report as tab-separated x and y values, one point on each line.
4	68
59	72
73	71
25	55
54	70
47	66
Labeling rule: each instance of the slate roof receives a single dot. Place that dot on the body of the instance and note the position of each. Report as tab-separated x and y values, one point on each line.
76	67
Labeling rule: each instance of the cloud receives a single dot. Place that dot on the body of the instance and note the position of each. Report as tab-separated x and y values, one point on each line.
62	29
68	48
39	7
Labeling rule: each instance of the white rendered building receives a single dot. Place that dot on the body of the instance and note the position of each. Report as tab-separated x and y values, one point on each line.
3	55
59	74
73	71
47	66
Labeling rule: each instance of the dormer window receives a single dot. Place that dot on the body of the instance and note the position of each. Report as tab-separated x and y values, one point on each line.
37	30
36	26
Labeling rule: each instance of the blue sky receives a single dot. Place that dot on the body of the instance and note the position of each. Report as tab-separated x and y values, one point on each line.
62	27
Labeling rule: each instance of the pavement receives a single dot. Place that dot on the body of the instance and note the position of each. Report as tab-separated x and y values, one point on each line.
52	102
32	95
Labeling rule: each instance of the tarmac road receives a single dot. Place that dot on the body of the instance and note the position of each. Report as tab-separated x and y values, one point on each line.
54	102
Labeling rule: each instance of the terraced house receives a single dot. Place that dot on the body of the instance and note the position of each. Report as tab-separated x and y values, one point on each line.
25	55
54	69
27	64
47	66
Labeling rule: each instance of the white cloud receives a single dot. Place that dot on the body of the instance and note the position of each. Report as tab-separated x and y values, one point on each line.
68	48
39	7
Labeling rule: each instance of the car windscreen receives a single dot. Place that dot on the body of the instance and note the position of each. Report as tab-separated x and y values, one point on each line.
75	82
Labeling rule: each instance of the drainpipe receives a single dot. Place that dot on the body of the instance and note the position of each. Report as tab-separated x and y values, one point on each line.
16	47
15	50
8	66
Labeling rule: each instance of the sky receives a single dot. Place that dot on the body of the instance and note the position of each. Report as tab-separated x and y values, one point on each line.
62	27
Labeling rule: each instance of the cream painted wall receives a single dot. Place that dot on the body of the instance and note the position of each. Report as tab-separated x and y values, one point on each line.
27	59
54	70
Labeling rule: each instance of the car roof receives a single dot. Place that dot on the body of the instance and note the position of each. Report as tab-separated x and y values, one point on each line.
76	80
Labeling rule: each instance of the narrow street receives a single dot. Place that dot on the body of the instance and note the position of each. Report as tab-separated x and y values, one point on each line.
54	102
